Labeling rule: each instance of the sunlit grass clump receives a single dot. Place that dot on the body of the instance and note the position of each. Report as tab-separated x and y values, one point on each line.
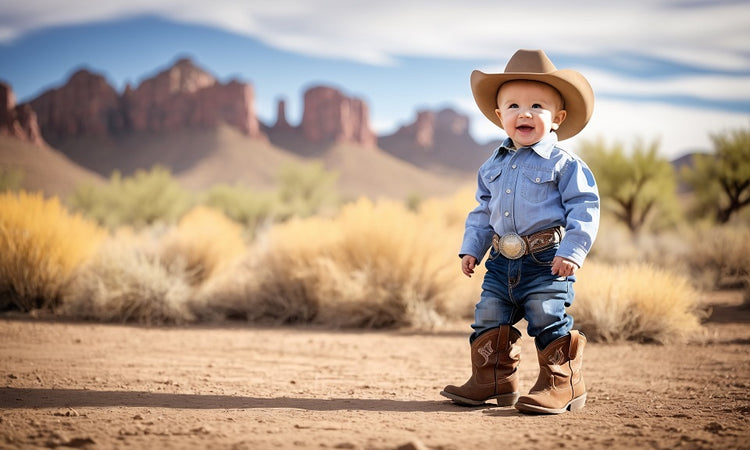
128	281
41	245
635	302
203	243
374	265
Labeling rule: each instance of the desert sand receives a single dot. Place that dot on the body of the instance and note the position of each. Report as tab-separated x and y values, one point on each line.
86	385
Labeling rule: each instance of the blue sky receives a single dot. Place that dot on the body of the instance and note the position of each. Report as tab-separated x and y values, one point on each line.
676	71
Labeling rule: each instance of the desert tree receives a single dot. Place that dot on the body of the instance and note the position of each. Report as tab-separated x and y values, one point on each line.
635	186
721	181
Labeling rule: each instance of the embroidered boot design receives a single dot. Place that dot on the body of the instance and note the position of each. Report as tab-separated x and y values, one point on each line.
495	356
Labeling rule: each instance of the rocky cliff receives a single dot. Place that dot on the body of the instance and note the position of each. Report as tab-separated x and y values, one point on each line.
181	97
437	140
18	121
330	116
184	96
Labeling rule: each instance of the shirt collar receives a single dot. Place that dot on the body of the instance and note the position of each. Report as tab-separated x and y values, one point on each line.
542	148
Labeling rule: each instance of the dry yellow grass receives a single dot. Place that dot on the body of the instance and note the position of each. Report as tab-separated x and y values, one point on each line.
126	281
637	302
720	255
41	245
373	265
204	242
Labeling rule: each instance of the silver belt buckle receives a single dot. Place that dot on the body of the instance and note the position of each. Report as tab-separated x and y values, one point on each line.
511	245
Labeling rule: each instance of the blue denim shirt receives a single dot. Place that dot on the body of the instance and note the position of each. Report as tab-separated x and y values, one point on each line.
530	189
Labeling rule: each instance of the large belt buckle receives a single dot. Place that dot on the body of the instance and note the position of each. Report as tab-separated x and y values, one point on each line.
511	245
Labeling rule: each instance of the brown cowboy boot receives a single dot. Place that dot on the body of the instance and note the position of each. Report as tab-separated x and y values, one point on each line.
495	355
560	385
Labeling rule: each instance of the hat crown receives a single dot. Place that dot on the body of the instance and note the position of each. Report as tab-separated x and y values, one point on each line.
530	61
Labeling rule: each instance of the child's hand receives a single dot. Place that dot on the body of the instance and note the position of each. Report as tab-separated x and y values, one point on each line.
563	267
468	263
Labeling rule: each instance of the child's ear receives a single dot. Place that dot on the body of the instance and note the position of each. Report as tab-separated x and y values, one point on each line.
499	116
559	119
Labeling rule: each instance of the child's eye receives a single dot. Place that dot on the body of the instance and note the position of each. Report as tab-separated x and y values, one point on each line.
513	105
536	105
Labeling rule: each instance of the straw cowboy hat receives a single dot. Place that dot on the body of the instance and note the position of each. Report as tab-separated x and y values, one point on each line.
578	97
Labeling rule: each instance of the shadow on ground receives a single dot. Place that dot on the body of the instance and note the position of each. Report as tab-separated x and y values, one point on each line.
11	398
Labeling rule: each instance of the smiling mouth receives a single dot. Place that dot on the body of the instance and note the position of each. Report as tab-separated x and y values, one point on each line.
524	128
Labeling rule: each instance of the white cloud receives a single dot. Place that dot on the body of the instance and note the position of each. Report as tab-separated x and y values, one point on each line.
702	33
707	87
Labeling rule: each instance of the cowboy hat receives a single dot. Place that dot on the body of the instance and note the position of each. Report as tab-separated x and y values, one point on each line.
534	65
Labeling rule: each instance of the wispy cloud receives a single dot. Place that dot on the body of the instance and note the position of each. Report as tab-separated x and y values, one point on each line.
699	33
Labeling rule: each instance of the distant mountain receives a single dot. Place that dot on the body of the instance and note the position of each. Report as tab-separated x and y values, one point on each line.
43	168
23	149
207	132
438	141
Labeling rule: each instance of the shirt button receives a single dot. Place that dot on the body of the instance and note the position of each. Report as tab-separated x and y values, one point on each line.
507	191
538	179
507	213
514	166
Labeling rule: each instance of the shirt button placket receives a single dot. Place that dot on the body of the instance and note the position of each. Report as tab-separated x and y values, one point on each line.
513	181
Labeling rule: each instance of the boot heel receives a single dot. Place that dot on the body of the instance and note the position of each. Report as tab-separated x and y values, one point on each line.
577	403
507	399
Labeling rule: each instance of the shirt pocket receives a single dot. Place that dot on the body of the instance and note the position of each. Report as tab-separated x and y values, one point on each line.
537	184
489	175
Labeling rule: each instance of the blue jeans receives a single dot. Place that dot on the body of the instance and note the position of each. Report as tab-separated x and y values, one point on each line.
525	288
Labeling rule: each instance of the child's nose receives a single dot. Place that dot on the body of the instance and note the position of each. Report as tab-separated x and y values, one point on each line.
526	113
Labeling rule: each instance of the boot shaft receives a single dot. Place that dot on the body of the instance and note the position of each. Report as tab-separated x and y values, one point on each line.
495	354
561	361
560	384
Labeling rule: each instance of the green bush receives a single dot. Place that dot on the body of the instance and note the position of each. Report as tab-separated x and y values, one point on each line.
10	179
305	189
143	199
246	206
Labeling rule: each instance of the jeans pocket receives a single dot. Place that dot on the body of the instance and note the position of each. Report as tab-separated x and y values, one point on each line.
545	257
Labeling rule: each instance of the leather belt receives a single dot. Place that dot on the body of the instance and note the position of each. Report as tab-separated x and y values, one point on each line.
514	246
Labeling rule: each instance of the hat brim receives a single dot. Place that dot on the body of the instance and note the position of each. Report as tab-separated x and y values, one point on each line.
576	91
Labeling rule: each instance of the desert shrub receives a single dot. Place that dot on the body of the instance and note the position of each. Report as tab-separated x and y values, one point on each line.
451	210
246	206
145	198
616	245
373	265
126	281
720	255
41	244
304	190
636	302
203	243
10	179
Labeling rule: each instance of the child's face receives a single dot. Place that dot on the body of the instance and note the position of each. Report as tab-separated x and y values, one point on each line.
528	111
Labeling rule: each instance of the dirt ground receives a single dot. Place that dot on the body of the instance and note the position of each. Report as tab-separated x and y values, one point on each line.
86	385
